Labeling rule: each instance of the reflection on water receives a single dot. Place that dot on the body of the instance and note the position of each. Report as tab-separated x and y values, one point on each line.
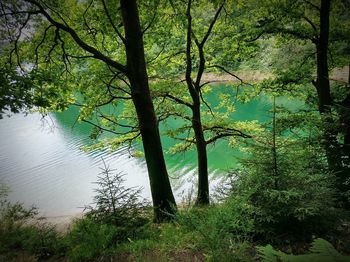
41	160
42	164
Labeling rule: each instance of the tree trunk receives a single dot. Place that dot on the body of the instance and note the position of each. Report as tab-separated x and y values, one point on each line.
194	90
201	146
322	84
163	199
274	147
323	88
345	122
344	113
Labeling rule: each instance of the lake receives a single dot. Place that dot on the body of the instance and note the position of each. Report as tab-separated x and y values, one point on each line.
43	164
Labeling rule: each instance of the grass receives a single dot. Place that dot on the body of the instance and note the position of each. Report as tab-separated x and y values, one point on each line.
197	234
230	231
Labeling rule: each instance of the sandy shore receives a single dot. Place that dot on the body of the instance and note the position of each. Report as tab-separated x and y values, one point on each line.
253	76
61	223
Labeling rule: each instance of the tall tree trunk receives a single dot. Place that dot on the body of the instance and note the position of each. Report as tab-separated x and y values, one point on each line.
344	112
323	88
163	199
201	146
274	147
345	122
322	82
194	90
322	85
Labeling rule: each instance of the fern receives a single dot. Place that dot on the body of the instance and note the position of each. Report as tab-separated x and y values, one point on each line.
321	251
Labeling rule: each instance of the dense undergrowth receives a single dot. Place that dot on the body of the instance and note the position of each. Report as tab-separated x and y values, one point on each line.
118	227
198	234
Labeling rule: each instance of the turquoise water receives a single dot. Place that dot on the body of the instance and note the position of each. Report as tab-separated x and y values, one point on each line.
42	163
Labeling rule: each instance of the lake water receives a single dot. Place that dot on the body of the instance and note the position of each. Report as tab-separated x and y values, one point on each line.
42	163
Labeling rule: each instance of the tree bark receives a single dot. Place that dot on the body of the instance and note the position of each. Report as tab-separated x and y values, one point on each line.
322	82
323	88
274	147
194	90
345	122
163	199
322	85
201	146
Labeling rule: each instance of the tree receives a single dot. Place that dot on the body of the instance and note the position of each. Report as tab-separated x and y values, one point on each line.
313	22
194	88
186	54
285	178
62	30
15	92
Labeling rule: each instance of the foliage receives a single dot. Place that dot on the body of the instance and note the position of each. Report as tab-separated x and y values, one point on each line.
285	181
116	216
116	204
223	231
89	240
19	232
185	239
282	191
320	250
15	91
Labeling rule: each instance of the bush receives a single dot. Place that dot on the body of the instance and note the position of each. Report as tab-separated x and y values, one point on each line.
114	204
221	230
88	240
290	191
320	250
19	233
118	214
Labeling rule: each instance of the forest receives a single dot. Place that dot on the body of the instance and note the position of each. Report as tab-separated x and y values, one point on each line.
141	73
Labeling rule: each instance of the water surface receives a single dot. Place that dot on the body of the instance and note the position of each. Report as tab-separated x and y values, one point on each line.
41	160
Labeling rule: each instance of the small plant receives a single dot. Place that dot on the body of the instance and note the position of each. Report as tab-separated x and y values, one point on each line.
18	232
221	231
118	214
321	251
89	240
286	184
12	215
116	204
12	219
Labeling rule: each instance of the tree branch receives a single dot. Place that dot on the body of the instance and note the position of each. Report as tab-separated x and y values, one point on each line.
225	132
97	54
231	74
105	129
206	104
178	100
205	38
115	122
153	18
310	23
313	5
112	23
188	49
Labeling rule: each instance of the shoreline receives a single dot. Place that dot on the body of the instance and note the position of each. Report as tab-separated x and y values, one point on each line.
336	74
61	223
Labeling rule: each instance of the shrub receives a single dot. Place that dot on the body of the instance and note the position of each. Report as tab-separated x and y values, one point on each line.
118	214
321	251
116	204
19	233
88	240
222	230
298	201
288	188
